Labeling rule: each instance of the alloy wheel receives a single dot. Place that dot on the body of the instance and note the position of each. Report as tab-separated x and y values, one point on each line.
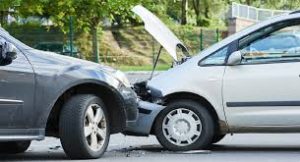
95	128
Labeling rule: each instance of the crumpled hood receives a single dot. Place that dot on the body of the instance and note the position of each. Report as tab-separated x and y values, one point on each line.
159	31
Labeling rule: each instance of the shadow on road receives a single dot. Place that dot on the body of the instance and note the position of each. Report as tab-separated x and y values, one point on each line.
216	148
253	148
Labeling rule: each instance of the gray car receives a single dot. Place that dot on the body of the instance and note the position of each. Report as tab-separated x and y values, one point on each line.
43	94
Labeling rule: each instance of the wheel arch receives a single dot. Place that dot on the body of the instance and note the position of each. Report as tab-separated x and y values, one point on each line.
220	126
110	96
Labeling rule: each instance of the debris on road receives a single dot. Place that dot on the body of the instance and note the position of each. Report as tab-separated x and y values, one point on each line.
55	147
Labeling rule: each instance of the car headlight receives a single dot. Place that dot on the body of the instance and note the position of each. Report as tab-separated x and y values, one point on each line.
122	78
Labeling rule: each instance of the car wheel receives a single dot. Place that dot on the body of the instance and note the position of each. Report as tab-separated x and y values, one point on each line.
14	147
84	127
184	125
218	138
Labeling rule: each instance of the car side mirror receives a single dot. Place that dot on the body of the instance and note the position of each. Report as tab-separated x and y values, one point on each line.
8	52
235	58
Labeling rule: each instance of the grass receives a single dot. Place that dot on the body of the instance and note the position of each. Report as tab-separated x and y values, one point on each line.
161	67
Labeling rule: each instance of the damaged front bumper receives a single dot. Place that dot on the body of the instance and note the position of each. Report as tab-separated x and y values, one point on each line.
147	115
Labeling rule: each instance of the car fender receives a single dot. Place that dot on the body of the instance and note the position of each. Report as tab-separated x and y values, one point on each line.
182	78
65	81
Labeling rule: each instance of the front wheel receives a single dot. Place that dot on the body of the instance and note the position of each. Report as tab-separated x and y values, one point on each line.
84	127
184	125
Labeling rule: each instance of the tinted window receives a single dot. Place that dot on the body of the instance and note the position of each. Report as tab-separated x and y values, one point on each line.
217	58
280	45
275	42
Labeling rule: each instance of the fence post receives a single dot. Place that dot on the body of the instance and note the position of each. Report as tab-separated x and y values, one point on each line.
71	35
201	39
217	35
105	57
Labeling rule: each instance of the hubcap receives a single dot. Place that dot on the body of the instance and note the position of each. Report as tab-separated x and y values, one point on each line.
182	127
95	127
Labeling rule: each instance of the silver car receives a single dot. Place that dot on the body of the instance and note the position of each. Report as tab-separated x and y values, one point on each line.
246	83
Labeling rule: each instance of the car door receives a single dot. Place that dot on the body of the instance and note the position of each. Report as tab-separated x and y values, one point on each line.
16	93
263	92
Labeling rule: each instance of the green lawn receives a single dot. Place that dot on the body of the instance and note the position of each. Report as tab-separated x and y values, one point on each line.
143	68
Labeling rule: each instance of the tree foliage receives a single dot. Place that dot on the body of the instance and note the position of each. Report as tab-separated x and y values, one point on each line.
5	7
86	14
90	15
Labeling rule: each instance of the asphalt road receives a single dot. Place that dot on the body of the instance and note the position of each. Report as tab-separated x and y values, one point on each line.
237	148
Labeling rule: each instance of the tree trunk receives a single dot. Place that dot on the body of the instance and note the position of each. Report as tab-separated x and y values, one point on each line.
248	2
2	18
198	21
196	5
184	8
206	11
94	29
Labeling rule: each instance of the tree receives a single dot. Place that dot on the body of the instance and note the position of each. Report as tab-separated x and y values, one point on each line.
207	11
196	6
5	7
184	10
87	14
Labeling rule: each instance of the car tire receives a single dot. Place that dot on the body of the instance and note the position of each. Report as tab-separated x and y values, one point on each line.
84	127
14	147
218	138
184	125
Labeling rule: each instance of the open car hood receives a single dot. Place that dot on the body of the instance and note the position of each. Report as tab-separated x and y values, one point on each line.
159	31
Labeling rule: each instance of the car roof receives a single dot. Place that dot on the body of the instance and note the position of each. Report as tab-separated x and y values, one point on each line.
246	31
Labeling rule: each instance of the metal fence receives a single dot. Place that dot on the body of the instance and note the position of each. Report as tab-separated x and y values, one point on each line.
252	13
115	48
132	50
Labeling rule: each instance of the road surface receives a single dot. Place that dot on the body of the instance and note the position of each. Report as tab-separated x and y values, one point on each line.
243	147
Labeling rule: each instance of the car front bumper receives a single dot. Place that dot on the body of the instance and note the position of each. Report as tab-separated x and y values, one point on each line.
146	118
130	101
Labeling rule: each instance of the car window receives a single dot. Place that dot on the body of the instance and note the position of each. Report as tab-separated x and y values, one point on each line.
217	58
280	45
275	42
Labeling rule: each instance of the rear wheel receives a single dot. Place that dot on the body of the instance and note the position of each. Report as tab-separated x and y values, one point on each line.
184	125
14	147
84	127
